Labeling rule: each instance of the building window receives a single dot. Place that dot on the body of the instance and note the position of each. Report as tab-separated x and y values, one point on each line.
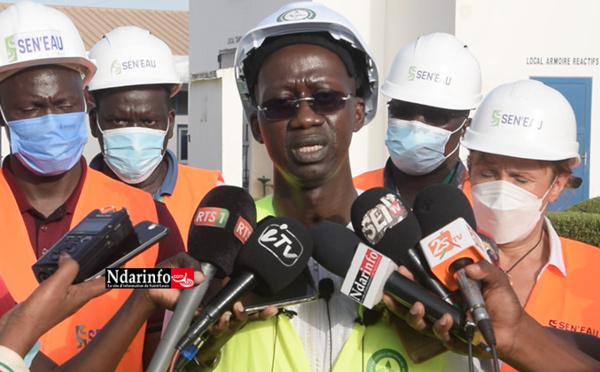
180	102
182	143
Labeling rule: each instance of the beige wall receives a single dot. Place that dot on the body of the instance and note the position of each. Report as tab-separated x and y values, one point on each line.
513	40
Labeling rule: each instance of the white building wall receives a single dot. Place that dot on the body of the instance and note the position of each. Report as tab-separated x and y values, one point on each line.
513	40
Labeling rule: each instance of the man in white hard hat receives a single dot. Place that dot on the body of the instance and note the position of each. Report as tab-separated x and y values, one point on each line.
43	69
133	121
433	84
308	82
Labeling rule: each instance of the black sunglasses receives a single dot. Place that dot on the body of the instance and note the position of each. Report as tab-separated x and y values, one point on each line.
433	115
321	103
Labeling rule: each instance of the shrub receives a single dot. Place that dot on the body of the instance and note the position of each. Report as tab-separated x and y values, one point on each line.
587	206
582	226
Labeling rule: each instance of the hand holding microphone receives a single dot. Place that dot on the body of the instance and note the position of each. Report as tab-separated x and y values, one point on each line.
453	246
274	255
224	220
340	251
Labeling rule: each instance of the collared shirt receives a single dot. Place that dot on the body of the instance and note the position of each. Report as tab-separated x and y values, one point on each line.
44	231
556	255
168	184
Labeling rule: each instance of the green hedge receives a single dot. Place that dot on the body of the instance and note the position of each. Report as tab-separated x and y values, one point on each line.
587	206
580	222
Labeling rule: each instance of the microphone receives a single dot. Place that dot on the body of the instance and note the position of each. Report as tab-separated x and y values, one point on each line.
343	253
438	204
382	219
453	246
222	223
274	255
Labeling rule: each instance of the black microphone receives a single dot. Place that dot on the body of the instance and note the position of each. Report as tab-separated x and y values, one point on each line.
382	219
338	249
223	221
453	243
274	255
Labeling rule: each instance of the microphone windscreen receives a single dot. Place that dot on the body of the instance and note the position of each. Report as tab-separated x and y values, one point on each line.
223	221
439	204
334	246
276	253
381	218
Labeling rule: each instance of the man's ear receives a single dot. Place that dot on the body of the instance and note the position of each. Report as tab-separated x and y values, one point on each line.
89	97
92	116
359	113
255	127
171	124
464	128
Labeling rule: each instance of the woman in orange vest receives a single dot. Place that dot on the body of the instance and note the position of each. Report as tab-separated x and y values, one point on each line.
523	144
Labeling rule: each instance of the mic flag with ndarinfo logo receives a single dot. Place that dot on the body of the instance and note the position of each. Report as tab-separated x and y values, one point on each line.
150	278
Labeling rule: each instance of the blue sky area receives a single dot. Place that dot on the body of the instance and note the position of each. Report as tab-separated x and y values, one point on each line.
127	4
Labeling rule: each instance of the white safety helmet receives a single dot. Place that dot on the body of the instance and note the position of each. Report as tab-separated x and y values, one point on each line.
307	17
129	55
33	34
435	70
525	119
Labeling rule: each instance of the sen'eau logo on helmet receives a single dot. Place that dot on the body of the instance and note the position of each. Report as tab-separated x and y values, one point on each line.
297	14
411	73
9	42
499	118
435	77
39	44
115	68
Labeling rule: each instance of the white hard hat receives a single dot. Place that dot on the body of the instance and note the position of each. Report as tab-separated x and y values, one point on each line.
129	55
525	119
34	34
435	70
308	17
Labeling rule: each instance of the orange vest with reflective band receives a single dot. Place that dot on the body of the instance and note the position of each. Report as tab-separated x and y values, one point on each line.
570	303
191	186
72	334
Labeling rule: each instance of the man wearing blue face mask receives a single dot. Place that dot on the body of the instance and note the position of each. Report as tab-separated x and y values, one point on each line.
133	122
50	189
433	84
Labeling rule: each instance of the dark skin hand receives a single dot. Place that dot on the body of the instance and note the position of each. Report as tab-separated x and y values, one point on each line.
520	340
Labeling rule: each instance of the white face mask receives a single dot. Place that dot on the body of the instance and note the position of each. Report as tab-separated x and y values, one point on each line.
417	148
506	211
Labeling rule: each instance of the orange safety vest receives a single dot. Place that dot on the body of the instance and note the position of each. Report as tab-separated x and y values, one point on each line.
570	303
191	186
72	334
370	179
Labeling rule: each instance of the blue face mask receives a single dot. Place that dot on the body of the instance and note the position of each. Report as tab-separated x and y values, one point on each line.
48	145
417	148
133	153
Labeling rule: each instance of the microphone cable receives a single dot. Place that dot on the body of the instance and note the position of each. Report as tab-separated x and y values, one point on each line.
326	289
